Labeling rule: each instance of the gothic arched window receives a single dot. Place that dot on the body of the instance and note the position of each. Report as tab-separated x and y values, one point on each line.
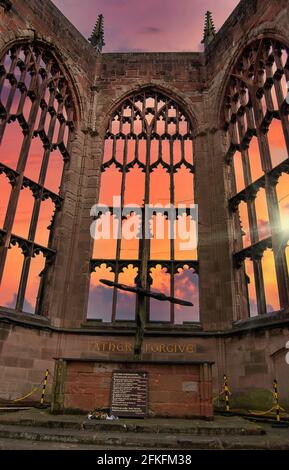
148	159
256	115
36	121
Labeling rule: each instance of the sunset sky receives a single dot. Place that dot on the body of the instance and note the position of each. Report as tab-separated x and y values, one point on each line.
150	25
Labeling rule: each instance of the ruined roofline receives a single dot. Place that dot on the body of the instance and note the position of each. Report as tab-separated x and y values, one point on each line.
198	55
68	23
230	22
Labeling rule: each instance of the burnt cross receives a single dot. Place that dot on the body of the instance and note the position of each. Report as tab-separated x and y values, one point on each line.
140	320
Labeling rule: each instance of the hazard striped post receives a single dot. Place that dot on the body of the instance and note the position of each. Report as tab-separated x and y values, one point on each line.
276	397
44	387
226	391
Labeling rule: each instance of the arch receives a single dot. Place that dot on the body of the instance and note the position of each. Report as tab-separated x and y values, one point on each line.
30	37
169	91
255	35
279	352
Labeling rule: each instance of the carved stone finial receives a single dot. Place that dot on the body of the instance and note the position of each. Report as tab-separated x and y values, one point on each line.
6	4
97	37
209	29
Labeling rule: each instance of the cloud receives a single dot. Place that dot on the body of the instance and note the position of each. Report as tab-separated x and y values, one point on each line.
150	30
253	308
100	303
27	306
130	49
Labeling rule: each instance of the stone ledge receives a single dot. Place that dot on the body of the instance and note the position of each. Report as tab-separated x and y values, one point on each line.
276	319
269	320
132	361
25	319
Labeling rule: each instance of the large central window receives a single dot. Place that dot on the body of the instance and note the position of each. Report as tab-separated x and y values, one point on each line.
148	159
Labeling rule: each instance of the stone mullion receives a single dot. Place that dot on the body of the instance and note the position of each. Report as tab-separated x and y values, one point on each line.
14	85
250	117
71	135
11	93
118	245
278	242
262	138
2	76
268	99
61	132
143	303
259	285
234	124
23	282
23	88
114	297
172	226
47	152
283	118
233	177
52	227
253	227
41	289
273	210
257	263
8	223
246	167
252	216
10	99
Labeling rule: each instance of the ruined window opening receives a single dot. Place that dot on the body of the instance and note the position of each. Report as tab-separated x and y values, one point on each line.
36	127
148	158
256	121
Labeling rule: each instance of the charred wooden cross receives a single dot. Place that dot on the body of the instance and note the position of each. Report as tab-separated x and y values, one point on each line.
140	320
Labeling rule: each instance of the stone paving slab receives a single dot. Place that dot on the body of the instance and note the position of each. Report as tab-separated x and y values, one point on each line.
273	439
120	440
16	444
221	424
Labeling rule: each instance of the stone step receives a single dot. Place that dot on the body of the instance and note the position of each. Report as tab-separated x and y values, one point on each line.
132	440
123	440
221	426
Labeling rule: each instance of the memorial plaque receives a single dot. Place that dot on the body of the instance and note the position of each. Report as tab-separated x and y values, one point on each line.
129	394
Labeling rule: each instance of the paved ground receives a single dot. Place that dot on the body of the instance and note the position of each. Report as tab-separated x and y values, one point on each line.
39	430
14	444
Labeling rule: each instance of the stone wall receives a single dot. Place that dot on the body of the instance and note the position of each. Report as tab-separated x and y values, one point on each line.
252	358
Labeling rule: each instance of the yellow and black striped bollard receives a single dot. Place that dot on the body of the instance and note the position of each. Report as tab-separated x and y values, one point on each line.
278	423
226	391
276	397
44	387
